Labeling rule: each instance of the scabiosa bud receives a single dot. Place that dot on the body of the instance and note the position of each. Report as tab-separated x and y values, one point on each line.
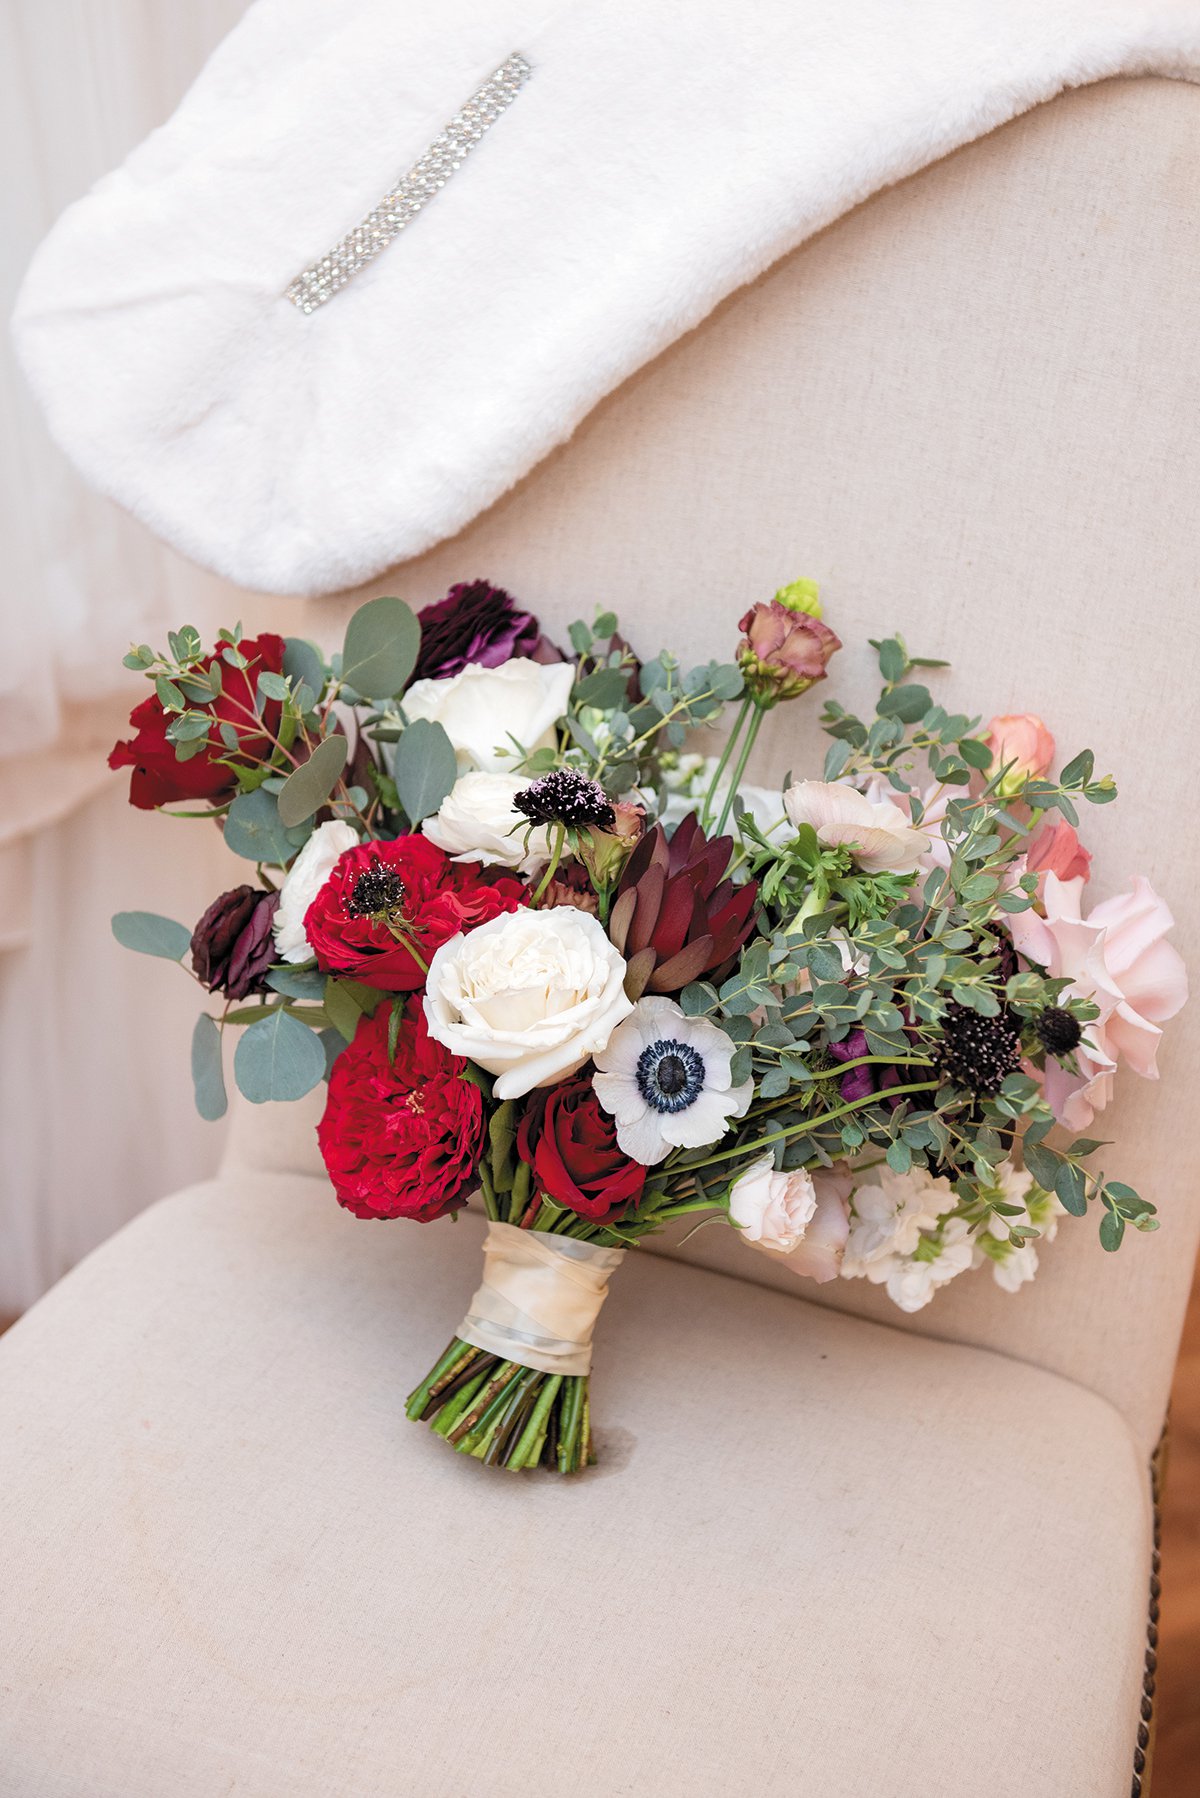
232	945
1059	1031
565	796
976	1052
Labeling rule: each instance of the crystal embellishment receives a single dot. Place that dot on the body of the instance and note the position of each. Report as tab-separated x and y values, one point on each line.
414	190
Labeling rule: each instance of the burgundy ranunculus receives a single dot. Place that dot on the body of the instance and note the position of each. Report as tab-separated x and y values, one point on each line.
570	1142
783	652
232	945
158	778
476	622
386	907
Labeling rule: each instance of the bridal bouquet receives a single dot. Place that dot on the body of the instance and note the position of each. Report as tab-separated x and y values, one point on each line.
542	950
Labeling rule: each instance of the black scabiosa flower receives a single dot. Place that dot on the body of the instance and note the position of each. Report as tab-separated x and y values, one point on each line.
565	796
1059	1031
979	1053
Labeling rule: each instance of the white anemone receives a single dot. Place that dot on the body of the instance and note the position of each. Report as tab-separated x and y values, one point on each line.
665	1078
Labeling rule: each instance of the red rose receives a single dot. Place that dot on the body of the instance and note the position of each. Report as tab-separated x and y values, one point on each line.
400	1140
158	778
387	906
570	1142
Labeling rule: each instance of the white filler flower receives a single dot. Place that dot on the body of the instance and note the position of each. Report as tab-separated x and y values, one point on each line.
482	710
879	835
528	996
304	880
665	1078
478	822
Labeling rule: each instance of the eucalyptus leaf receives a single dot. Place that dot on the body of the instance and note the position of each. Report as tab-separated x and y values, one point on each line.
424	768
297	983
208	1081
149	934
254	829
302	663
380	651
308	787
278	1058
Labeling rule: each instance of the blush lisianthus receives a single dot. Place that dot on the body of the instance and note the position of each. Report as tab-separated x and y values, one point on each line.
387	907
158	777
476	622
1022	746
880	837
570	1143
528	997
400	1137
666	1079
783	651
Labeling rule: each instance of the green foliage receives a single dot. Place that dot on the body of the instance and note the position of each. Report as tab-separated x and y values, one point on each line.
308	787
424	769
208	1080
380	650
254	829
147	933
278	1058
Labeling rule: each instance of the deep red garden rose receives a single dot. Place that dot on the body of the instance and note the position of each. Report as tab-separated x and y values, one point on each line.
400	1139
570	1142
158	778
387	906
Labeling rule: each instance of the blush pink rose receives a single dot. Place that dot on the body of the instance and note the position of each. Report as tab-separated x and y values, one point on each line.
1119	959
1056	849
1020	742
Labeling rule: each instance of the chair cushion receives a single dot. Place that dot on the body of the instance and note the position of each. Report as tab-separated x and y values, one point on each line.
819	1555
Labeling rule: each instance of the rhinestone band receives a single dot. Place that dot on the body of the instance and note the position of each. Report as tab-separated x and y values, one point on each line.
318	283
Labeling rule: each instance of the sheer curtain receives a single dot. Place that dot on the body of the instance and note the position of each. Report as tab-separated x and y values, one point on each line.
95	1113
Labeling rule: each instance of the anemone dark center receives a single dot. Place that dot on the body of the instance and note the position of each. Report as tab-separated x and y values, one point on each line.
379	892
670	1075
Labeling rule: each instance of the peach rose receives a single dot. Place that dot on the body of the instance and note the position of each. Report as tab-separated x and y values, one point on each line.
1056	849
1020	742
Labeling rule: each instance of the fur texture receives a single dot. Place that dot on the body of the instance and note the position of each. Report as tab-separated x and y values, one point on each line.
660	156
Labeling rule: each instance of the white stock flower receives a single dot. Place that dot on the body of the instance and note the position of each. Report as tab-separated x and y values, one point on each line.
912	1280
772	1209
482	710
665	1078
687	788
1014	1263
889	1215
528	996
478	822
303	881
879	835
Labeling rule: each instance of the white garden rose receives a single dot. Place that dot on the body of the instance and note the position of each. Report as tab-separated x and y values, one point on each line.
528	996
482	710
772	1209
478	822
879	835
304	880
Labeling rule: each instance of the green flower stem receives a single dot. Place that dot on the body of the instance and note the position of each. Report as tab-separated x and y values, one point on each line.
440	1374
523	1454
450	1413
560	838
740	769
811	1124
710	798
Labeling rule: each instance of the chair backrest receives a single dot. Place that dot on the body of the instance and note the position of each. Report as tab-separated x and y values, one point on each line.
970	410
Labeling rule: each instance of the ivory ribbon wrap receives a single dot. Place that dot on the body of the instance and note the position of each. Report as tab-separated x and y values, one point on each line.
540	1298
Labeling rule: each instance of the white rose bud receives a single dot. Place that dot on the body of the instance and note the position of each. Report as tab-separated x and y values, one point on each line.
529	996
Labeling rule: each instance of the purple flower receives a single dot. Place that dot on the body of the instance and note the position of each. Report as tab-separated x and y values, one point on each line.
476	622
232	945
860	1083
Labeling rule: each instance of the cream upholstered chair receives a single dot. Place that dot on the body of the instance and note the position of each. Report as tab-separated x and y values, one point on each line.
830	1550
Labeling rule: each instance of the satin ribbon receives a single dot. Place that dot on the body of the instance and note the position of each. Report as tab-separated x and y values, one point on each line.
540	1298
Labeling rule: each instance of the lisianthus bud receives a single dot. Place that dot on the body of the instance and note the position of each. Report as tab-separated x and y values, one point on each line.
801	596
1021	742
232	945
783	652
607	851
